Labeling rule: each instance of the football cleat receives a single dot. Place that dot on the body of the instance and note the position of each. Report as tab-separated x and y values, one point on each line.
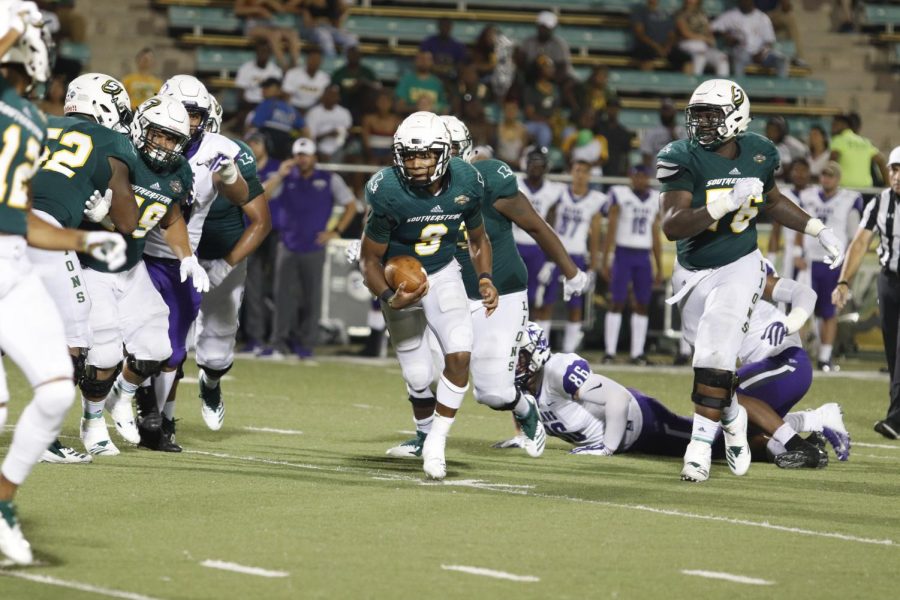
697	460
148	417
516	442
737	450
95	437
13	544
410	448
162	440
806	455
641	361
123	417
532	429
828	367
63	455
834	430
433	462
887	429
212	409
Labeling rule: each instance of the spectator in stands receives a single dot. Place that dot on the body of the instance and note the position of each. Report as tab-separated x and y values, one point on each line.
512	136
306	84
420	89
781	13
845	17
789	147
819	152
277	119
54	102
493	57
357	82
667	131
546	43
378	130
855	154
481	130
252	73
618	140
72	25
261	23
142	84
697	39
322	23
448	54
468	88
483	52
750	35
583	145
541	102
329	125
308	198
655	37
595	93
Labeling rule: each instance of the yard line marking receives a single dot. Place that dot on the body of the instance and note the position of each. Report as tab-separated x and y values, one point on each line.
883	446
76	585
406	431
491	573
273	430
524	492
197	380
236	568
364	406
728	577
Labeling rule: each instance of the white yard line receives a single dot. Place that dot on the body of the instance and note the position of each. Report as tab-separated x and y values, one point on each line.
882	446
196	380
363	406
273	430
520	491
75	585
243	569
491	573
728	577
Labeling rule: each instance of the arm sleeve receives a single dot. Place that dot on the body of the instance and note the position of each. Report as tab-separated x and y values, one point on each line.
673	176
378	227
247	164
796	294
615	401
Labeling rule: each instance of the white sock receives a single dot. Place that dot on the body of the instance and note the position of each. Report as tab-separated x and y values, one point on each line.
704	430
92	410
573	337
775	447
123	392
825	353
450	395
169	411
611	328
162	385
639	325
441	425
424	425
783	434
804	420
522	407
730	412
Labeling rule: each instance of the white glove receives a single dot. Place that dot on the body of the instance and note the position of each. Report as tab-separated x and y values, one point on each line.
575	286
217	270
191	268
97	206
23	14
774	333
546	273
833	246
352	251
592	450
225	167
744	188
107	247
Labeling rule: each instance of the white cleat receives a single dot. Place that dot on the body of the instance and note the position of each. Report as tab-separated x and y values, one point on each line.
63	455
535	438
123	418
834	430
433	462
737	450
697	460
95	437
212	408
13	544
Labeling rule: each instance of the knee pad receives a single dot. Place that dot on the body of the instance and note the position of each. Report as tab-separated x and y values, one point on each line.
54	399
92	387
418	376
144	368
214	373
497	398
714	378
79	363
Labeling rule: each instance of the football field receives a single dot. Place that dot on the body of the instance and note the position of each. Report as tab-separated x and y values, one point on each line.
295	498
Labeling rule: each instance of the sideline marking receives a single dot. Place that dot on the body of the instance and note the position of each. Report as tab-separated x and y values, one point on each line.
728	577
491	573
75	585
501	488
236	568
883	446
273	430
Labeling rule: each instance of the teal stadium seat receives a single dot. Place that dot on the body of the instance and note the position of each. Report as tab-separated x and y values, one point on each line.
74	51
224	62
677	84
712	7
198	19
881	15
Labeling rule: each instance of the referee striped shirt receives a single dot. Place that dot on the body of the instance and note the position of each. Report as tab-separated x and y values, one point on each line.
881	216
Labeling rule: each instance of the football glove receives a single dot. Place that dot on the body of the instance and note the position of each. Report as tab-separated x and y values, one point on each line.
191	268
592	450
351	253
98	205
774	333
576	286
107	247
217	270
833	246
744	189
225	167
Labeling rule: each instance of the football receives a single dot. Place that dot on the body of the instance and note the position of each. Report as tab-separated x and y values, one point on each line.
407	269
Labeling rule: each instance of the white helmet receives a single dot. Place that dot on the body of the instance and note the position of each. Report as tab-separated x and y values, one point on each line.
422	132
166	115
718	110
34	50
215	116
102	97
460	138
188	90
533	353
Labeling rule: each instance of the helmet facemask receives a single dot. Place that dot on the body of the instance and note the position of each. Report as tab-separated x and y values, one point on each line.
157	156
533	355
441	152
706	124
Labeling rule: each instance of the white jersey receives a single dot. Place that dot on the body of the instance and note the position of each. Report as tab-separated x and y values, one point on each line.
841	213
542	199
203	195
758	342
634	228
575	422
573	218
789	236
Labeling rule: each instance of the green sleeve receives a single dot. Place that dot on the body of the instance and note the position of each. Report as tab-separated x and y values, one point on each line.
672	169
378	223
247	165
775	157
472	215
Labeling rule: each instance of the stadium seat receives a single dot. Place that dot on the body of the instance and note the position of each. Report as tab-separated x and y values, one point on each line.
75	51
198	19
881	15
670	84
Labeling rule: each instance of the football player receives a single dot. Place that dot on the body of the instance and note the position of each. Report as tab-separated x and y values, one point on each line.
225	244
418	207
31	331
713	185
126	309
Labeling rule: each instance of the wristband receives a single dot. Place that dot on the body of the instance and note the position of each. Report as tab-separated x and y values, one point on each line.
485	275
844	282
814	227
386	296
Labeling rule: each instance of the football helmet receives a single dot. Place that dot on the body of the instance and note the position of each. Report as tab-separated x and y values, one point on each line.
718	110
35	51
165	115
214	125
533	354
422	132
460	138
188	90
102	97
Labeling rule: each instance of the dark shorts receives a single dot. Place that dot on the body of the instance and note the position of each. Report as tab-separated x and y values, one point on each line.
824	280
663	432
182	299
780	381
631	266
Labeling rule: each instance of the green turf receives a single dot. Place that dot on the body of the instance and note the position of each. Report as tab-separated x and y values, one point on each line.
346	522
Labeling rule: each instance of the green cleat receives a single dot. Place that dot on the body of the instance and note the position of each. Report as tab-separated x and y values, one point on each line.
410	448
532	429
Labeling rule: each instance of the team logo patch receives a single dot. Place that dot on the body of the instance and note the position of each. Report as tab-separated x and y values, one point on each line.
373	183
319	184
461	199
176	186
737	96
112	87
759	158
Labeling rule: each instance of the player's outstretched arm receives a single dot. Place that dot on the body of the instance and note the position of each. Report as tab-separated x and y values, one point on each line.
615	401
174	230
257	212
783	211
229	181
123	212
521	212
858	247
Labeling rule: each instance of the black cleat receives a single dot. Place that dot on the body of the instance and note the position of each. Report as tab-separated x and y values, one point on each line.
828	366
887	429
641	361
818	440
148	417
167	437
608	359
803	455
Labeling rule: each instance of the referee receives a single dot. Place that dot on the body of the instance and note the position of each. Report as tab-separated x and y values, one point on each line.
881	215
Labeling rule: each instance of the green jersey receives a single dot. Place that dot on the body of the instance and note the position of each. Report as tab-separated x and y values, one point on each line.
413	222
685	165
156	194
224	224
508	269
23	132
76	165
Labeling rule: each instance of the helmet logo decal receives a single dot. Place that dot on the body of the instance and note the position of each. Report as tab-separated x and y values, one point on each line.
737	96
112	87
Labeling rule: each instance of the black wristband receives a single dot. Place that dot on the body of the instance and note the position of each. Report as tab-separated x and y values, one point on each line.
386	296
844	282
485	276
